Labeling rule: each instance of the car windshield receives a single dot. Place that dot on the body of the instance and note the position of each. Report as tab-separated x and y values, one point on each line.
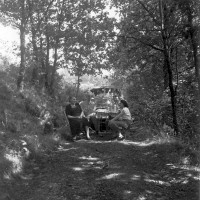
105	98
106	90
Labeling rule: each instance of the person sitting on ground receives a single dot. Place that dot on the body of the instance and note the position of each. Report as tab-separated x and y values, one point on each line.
122	120
76	119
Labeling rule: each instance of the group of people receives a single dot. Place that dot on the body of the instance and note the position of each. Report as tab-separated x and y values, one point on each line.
82	116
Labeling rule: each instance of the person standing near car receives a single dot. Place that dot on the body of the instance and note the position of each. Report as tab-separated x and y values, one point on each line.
88	106
89	110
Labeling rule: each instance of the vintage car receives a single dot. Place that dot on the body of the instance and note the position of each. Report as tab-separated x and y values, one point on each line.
106	100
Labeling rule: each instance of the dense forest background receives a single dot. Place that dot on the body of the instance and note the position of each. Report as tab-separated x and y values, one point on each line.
150	49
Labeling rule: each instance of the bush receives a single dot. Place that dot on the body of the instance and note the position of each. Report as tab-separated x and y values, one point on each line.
157	112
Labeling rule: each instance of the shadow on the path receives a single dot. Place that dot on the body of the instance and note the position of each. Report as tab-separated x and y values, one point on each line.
137	170
112	170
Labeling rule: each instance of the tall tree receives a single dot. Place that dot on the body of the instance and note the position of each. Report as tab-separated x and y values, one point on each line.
148	28
60	17
190	11
87	37
16	13
38	13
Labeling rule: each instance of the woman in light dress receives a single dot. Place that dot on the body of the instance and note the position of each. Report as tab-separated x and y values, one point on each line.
122	120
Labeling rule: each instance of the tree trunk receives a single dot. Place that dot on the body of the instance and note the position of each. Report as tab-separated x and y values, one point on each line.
189	12
165	76
34	77
167	64
20	79
53	73
172	91
46	73
60	19
42	65
78	86
194	44
57	41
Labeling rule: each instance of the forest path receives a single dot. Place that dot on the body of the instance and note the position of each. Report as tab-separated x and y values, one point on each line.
110	170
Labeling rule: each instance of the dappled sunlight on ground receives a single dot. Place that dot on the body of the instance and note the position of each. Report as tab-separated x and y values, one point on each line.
77	168
159	182
141	197
144	143
140	144
64	149
88	158
189	169
135	177
90	162
185	167
111	176
95	141
113	170
16	160
125	142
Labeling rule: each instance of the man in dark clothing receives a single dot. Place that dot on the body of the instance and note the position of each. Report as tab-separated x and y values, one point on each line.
76	119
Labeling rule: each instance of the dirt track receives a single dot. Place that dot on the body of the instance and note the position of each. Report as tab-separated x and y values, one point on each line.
110	170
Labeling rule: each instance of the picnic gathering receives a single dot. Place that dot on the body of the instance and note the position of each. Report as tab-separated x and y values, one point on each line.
105	113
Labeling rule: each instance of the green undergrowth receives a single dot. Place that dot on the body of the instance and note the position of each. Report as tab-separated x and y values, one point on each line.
23	116
164	140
